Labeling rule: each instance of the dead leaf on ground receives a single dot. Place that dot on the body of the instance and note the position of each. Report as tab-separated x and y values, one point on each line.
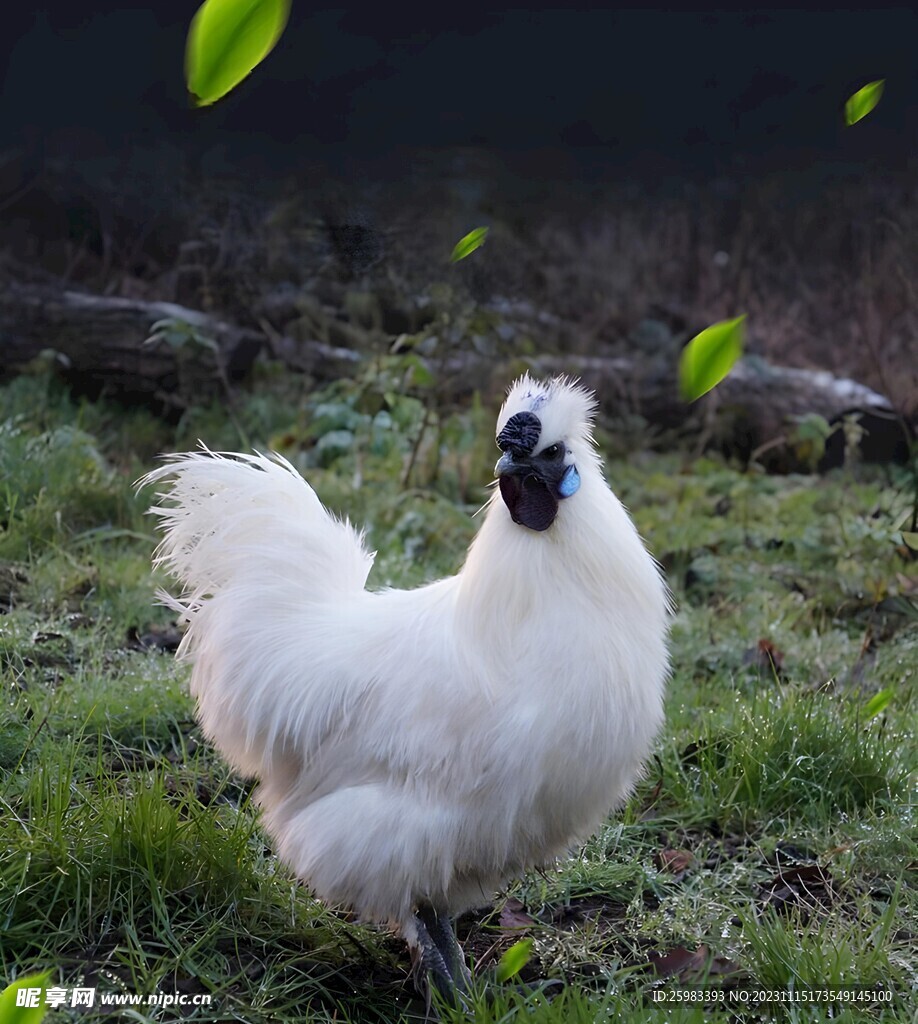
513	915
675	862
679	961
804	886
723	967
604	912
765	657
691	965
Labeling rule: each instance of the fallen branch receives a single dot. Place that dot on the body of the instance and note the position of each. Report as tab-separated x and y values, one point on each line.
751	413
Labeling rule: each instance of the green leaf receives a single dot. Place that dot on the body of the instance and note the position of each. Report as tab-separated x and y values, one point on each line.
710	356
515	959
910	540
227	40
421	375
468	244
877	703
813	427
863	101
10	1013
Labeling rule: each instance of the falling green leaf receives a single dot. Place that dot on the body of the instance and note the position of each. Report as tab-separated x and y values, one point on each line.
515	959
468	244
11	1013
910	540
863	101
226	40
710	356
877	703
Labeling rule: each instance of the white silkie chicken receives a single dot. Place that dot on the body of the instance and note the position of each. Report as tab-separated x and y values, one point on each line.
418	748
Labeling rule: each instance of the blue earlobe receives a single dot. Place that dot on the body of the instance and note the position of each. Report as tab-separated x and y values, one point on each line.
569	483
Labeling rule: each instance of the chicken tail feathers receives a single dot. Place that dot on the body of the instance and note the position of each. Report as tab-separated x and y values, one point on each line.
233	517
257	556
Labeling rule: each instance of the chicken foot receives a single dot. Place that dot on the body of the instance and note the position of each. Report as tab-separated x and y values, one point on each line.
441	956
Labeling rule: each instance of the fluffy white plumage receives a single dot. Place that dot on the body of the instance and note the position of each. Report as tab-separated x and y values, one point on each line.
420	746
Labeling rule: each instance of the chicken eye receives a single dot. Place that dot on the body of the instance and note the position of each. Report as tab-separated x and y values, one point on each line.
553	452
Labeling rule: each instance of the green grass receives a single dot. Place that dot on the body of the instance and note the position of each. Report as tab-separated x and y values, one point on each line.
771	844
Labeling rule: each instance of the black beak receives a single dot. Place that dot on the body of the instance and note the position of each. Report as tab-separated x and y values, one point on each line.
528	490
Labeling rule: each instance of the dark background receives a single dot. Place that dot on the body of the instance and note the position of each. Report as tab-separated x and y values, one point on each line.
611	92
627	162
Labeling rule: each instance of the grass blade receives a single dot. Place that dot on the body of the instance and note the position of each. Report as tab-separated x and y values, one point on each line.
878	703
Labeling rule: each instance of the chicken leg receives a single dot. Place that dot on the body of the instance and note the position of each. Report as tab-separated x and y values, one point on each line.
440	955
